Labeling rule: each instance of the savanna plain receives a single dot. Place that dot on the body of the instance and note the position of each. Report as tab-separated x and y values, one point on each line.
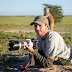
12	27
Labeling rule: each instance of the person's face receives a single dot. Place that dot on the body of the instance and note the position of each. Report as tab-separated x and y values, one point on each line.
41	30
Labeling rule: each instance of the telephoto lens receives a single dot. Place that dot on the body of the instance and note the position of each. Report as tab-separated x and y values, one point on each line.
15	45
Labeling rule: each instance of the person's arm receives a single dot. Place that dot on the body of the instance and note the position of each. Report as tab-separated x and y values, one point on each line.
42	53
52	57
45	62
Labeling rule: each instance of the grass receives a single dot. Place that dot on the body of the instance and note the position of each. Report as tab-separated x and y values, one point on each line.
65	25
6	37
7	58
23	23
15	22
67	38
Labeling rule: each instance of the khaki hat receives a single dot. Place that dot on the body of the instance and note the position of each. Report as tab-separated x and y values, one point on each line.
40	20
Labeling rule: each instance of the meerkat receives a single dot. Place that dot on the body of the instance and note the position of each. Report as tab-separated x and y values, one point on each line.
50	18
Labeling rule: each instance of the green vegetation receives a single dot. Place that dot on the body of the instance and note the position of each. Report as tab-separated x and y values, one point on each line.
56	11
6	37
23	23
67	38
65	25
15	22
7	58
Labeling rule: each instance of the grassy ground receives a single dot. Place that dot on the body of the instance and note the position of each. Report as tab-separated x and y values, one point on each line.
65	25
7	58
22	23
15	22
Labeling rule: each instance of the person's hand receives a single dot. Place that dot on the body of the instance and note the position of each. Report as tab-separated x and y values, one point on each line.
29	48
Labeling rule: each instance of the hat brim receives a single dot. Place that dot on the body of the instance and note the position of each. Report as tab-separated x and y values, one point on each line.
38	22
32	23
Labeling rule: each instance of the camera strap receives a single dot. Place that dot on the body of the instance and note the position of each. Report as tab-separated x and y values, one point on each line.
26	66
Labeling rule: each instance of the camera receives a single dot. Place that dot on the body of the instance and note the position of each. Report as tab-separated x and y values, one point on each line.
15	45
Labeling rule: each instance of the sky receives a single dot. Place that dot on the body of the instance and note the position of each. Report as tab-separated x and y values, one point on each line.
31	7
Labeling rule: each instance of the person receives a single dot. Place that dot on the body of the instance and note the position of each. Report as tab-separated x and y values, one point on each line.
51	44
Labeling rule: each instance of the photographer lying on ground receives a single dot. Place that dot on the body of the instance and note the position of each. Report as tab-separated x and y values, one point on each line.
51	44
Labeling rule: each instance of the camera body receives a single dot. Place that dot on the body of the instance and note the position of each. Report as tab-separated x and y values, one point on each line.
15	45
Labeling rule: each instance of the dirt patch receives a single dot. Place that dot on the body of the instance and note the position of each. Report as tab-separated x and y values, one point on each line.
17	67
56	68
18	31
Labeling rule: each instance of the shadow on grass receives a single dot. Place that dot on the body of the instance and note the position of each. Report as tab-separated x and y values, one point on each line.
12	63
